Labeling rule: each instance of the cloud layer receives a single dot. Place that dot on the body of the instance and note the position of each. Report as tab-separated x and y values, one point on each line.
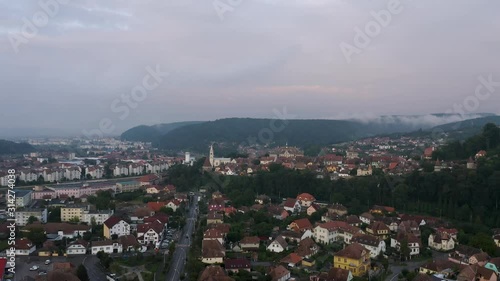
263	54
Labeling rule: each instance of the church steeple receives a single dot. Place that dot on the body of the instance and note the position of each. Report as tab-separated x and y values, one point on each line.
211	155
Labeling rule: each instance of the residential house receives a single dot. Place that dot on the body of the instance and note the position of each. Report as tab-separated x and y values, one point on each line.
174	204
214	273
353	220
462	254
312	209
150	233
214	234
300	225
354	258
212	252
378	229
480	259
78	247
115	225
329	232
375	245
335	274
443	267
292	205
291	260
366	218
106	246
250	243
214	217
307	248
306	199
337	209
235	265
279	273
278	245
441	242
413	241
24	247
216	204
129	243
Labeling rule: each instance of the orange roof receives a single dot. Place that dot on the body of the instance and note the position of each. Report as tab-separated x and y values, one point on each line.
305	197
156	206
292	258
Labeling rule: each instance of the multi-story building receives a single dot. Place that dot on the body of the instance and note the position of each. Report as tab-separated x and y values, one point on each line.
127	186
98	217
72	213
23	198
354	258
332	231
22	216
115	225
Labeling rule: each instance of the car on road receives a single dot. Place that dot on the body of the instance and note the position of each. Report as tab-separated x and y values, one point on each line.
47	262
42	272
33	268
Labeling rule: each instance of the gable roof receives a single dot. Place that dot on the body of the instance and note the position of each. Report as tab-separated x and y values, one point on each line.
352	251
112	221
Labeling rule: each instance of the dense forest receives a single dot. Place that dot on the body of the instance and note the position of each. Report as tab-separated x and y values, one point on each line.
152	133
302	133
458	194
10	147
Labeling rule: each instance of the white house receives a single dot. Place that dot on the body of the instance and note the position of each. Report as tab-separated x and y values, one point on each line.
150	233
106	246
78	247
278	245
24	247
292	205
115	225
375	245
441	242
332	231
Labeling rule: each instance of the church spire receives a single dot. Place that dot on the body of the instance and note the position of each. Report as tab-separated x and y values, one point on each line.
211	155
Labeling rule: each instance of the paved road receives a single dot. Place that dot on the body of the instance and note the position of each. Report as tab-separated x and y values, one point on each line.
411	265
94	271
179	257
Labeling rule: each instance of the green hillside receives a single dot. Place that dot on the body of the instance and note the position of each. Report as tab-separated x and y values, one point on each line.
10	147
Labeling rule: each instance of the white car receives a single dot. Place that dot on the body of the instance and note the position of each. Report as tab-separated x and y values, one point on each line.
47	262
35	267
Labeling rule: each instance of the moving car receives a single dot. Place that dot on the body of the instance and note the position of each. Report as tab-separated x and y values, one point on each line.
47	262
35	267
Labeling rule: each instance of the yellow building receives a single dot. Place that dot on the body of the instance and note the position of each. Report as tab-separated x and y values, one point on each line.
71	212
354	258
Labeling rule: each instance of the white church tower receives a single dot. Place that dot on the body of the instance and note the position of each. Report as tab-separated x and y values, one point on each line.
211	155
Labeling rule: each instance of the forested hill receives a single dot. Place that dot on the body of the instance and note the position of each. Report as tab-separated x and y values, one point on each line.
152	133
10	147
301	133
488	139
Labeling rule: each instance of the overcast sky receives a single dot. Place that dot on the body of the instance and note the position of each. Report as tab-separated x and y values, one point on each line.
259	56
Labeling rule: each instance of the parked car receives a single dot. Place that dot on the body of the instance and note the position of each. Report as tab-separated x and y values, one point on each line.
35	267
47	262
42	272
